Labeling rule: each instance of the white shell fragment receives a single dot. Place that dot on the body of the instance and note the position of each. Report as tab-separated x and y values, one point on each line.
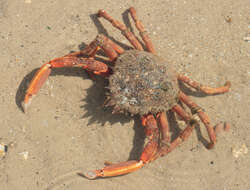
3	150
246	38
24	154
239	151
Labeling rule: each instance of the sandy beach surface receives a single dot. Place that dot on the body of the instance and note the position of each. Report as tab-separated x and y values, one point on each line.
66	130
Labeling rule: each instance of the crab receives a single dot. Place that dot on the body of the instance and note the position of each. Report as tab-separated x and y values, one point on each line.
140	83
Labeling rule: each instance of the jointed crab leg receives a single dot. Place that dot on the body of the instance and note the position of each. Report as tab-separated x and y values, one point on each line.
42	74
202	115
110	48
182	113
125	31
164	127
182	137
151	131
142	31
165	148
153	135
204	89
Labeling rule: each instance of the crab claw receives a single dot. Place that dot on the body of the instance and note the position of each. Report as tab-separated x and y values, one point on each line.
115	169
40	77
148	154
43	73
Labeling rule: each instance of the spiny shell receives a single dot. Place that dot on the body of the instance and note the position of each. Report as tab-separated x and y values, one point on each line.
143	83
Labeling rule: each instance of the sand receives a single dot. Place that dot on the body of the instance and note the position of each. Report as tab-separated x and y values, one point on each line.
66	130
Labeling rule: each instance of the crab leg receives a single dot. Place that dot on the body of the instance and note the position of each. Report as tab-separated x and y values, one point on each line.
110	48
164	132
42	74
125	31
203	117
166	148
180	111
182	137
142	31
164	127
205	89
151	131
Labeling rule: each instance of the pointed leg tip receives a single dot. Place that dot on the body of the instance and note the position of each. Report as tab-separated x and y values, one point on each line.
210	146
132	9
24	107
25	104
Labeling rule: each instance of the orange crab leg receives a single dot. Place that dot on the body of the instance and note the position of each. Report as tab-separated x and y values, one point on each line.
151	131
129	35
42	74
164	127
205	89
180	111
110	48
166	148
143	32
182	137
202	115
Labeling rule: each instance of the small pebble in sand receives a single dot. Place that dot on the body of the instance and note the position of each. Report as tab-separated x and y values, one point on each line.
228	19
239	150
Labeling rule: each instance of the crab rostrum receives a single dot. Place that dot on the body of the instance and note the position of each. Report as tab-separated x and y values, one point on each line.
140	83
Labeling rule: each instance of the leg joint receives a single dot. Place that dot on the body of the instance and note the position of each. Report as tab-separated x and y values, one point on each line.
143	33
100	40
192	122
196	109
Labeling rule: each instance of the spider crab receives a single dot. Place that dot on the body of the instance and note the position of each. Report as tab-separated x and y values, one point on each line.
140	82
